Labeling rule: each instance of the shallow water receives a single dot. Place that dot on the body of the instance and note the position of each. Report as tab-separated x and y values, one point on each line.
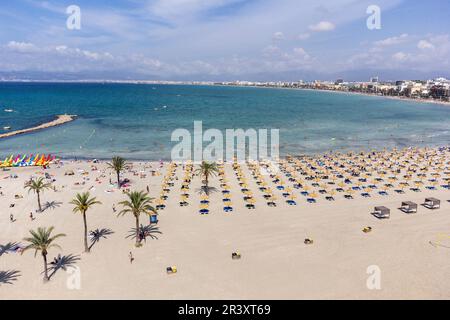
136	121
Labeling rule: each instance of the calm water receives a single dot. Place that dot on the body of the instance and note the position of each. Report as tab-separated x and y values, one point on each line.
136	121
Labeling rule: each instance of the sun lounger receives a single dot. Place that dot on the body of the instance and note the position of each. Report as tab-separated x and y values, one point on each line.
367	229
227	209
271	204
171	270
382	212
308	241
235	255
291	202
408	207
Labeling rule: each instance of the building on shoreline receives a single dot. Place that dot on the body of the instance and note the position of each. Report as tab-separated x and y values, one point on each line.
435	89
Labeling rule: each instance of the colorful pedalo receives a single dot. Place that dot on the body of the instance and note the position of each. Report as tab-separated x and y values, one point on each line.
26	160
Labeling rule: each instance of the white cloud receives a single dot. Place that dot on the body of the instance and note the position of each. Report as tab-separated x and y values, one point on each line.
392	40
303	36
278	36
322	26
22	47
301	52
424	44
400	56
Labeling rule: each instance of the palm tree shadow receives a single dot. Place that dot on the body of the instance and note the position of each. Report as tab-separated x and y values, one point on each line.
10	246
144	232
98	234
62	262
7	277
51	205
206	190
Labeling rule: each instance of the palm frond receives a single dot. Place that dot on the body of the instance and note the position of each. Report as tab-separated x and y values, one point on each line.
144	232
10	246
98	234
7	277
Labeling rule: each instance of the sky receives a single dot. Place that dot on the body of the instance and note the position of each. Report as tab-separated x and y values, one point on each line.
222	40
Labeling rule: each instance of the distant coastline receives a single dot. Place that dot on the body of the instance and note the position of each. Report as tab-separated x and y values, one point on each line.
401	98
216	84
60	120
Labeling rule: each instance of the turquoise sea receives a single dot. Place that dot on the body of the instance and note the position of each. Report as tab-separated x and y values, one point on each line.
136	120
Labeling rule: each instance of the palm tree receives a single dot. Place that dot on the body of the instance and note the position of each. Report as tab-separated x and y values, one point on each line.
206	170
117	164
82	202
42	241
139	202
37	186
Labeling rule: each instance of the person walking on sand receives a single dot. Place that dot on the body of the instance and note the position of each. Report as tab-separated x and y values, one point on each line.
130	256
11	217
114	208
31	216
148	189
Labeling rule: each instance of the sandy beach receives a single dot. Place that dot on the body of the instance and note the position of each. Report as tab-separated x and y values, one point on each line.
60	120
412	251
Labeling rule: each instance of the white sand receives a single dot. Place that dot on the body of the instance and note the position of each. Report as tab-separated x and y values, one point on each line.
275	263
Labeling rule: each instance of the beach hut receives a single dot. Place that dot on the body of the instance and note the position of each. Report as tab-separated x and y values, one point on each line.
432	203
408	207
382	212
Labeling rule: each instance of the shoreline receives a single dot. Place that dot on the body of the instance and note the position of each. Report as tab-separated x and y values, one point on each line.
60	120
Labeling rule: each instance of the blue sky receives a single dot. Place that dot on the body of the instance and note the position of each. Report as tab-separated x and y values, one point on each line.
225	39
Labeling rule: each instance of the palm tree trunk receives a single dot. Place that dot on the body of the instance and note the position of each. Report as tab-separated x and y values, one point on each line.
118	179
86	248
137	231
39	201
46	278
